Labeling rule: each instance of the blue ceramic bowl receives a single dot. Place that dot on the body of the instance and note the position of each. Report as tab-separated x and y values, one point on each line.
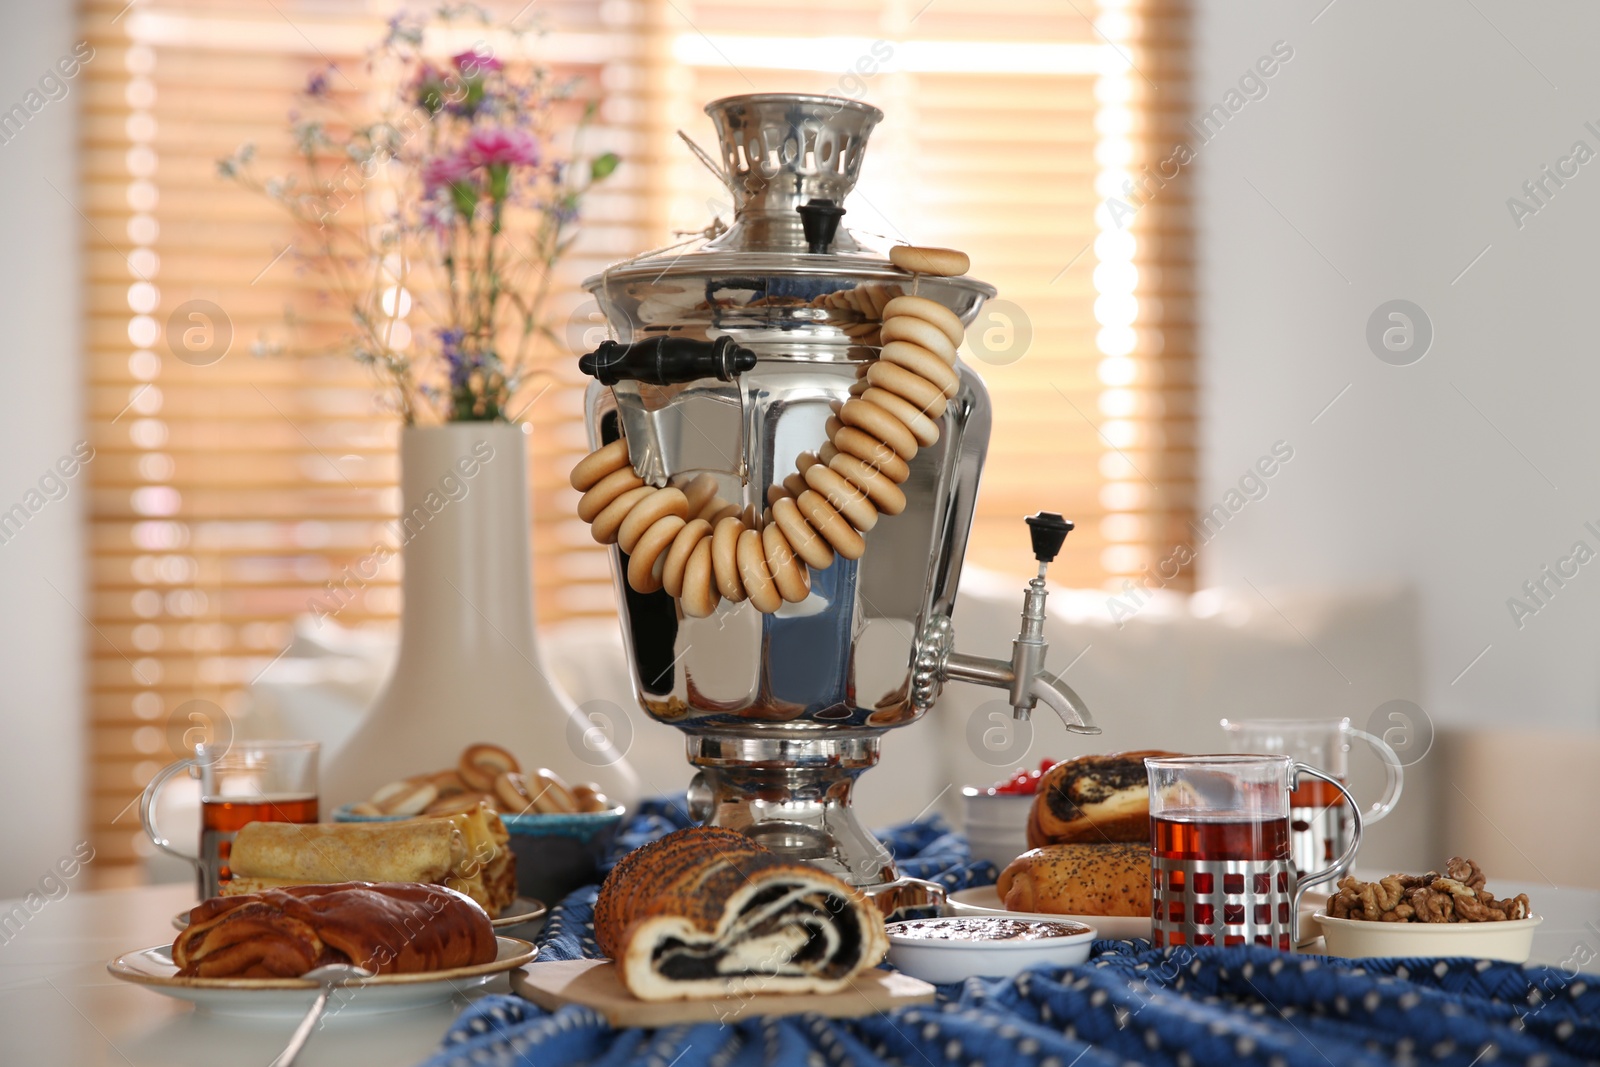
555	853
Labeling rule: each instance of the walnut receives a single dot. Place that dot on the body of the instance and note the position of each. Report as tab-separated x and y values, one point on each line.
1389	892
1341	903
1466	872
1433	906
1472	910
1456	896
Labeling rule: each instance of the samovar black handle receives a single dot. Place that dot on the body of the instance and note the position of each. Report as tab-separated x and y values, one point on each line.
667	360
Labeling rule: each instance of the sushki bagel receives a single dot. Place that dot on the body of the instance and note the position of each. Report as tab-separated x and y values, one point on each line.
701	549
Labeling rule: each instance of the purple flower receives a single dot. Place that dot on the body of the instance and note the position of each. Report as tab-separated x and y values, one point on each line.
403	29
461	366
486	147
564	210
317	83
437	216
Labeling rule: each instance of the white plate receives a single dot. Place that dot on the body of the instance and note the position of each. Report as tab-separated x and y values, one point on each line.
522	910
153	968
986	901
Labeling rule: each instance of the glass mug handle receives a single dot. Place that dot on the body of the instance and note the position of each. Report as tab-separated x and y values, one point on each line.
1393	775
1296	770
147	813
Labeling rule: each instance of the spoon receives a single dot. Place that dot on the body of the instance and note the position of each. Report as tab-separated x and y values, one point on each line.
328	977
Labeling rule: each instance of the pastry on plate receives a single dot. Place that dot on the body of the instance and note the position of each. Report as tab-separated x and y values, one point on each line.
386	927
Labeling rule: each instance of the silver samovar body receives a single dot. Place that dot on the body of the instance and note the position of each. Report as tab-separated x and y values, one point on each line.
783	712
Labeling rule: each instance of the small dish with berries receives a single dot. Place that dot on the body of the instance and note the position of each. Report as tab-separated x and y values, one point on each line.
995	817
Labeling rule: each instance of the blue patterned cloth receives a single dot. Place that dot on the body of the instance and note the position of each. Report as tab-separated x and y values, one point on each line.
1129	1003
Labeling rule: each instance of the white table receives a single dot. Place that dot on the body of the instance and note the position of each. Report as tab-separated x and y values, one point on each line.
59	1007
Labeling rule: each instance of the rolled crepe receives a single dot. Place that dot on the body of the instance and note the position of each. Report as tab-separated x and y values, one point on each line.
469	852
423	850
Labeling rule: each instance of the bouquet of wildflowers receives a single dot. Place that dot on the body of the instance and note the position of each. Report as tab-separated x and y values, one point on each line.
438	220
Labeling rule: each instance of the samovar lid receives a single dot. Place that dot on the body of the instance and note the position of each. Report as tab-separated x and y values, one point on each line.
776	153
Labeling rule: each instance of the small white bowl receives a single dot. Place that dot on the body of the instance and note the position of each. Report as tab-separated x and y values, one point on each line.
996	824
1511	941
955	959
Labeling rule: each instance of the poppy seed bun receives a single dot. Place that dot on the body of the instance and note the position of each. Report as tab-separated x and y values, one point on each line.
1099	799
1081	879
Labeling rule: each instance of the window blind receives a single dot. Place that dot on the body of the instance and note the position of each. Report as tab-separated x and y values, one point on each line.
242	466
230	486
1009	125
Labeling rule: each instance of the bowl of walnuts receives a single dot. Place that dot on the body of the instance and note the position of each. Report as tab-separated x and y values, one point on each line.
1433	914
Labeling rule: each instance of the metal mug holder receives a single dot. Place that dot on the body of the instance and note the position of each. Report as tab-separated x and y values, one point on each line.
1239	902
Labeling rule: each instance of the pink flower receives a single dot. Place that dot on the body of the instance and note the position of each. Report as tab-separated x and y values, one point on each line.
489	146
472	64
441	172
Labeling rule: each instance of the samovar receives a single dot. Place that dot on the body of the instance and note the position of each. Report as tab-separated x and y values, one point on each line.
731	353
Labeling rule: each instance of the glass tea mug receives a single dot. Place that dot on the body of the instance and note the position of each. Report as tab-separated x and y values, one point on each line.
1221	867
243	782
1318	815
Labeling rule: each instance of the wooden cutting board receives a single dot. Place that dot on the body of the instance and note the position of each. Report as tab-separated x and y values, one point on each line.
595	984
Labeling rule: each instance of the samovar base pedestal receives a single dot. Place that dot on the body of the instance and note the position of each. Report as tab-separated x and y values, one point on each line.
791	793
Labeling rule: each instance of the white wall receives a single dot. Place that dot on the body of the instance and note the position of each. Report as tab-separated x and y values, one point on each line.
1391	142
41	634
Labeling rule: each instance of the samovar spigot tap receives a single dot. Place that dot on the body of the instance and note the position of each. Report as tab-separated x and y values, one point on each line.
1025	677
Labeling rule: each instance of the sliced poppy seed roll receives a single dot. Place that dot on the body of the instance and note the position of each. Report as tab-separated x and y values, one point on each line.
708	913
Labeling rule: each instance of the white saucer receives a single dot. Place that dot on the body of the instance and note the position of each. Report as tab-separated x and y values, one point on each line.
153	968
986	901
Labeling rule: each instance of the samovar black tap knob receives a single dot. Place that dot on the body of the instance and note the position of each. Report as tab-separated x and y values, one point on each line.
820	218
1049	532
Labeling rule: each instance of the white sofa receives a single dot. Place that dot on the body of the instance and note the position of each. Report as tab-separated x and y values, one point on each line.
1161	679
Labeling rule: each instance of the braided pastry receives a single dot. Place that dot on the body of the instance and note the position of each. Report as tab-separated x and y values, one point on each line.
701	549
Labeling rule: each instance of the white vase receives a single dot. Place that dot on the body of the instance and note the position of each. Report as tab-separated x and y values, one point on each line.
468	667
